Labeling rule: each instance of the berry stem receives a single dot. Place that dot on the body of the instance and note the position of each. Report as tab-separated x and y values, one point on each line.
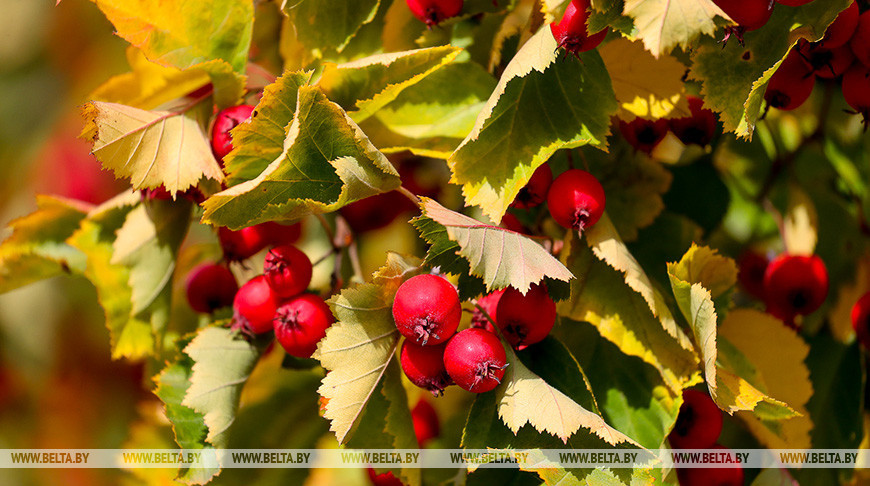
410	195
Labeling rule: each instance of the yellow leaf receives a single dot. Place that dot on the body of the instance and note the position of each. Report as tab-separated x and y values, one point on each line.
645	86
778	354
665	24
840	315
800	223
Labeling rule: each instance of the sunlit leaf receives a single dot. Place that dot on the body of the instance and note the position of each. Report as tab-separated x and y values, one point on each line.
665	24
329	24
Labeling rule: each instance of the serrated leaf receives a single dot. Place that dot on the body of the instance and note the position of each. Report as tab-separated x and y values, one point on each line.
609	247
327	163
734	78
36	249
364	86
188	426
665	24
600	296
703	265
783	370
359	347
524	398
329	24
149	84
800	223
259	141
540	105
645	86
222	362
500	257
152	148
148	245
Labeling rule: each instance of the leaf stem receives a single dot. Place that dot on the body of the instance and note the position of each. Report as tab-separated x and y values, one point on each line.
410	195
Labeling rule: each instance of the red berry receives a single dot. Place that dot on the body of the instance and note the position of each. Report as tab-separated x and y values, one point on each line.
747	14
427	309
699	422
226	120
751	272
791	84
288	270
525	319
825	63
210	287
842	28
511	222
535	191
856	90
696	129
376	212
793	3
242	244
255	305
300	323
644	134
861	320
424	366
426	423
432	12
475	360
384	479
730	475
576	200
795	285
278	234
860	41
571	32
489	303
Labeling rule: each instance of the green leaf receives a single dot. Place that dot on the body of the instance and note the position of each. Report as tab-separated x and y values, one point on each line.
260	141
328	24
327	163
499	257
555	364
152	148
36	249
222	362
359	347
665	24
364	86
540	105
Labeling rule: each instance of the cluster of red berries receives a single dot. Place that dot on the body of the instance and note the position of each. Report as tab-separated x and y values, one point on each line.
698	128
699	423
790	285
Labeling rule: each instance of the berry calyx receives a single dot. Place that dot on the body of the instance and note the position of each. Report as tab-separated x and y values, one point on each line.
226	120
730	475
699	128
644	134
254	306
751	268
489	303
571	32
576	200
856	90
433	12
525	319
426	423
699	422
842	28
861	320
424	366
300	323
535	191
795	285
426	309
791	84
825	63
288	270
860	40
210	287
475	360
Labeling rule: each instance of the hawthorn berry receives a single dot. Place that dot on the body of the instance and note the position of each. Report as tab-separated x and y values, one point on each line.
426	423
699	128
489	303
856	90
861	320
426	309
278	234
254	306
424	366
300	323
699	422
288	270
825	63
729	475
576	200
842	28
860	40
747	14
226	120
210	287
383	479
644	134
242	244
433	12
751	268
795	285
475	360
791	84
535	191
571	33
525	319
511	222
